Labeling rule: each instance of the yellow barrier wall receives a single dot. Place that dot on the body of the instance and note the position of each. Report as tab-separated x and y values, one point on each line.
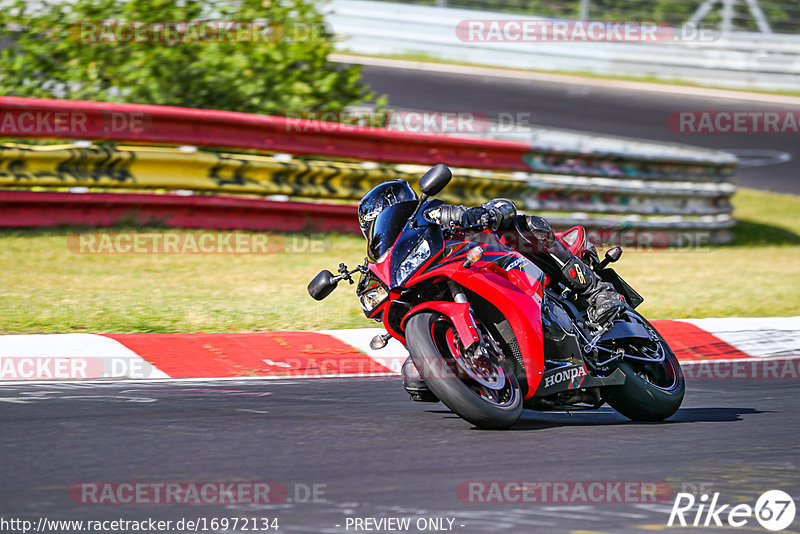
167	168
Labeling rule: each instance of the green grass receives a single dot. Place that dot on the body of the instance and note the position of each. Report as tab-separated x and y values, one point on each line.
48	288
757	275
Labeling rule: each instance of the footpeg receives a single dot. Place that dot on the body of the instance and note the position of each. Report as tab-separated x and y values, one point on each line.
423	396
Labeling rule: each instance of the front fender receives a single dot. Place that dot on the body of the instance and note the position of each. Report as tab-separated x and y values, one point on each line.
458	312
522	309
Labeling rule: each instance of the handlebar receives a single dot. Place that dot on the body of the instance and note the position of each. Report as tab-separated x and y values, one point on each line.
473	228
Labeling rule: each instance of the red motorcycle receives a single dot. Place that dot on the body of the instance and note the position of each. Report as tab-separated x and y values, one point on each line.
490	333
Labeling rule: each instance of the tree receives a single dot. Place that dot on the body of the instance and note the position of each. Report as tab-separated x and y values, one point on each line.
245	55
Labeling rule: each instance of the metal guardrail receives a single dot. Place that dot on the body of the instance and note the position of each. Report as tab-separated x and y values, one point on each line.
150	168
735	60
47	209
607	184
649	204
175	169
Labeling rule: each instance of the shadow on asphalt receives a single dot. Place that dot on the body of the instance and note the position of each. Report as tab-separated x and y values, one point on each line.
712	415
532	420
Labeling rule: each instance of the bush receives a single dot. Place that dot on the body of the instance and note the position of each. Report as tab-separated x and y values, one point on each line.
61	49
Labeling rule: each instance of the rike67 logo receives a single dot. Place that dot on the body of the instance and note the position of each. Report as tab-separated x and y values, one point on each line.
774	510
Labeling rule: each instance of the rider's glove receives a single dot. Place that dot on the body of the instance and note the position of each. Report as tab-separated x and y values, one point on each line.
502	213
477	216
494	214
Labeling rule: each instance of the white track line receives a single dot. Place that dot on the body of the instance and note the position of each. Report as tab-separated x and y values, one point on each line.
71	356
391	356
685	363
756	336
282	380
765	338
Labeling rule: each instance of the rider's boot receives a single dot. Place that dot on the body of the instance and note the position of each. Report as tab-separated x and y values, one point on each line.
604	301
414	385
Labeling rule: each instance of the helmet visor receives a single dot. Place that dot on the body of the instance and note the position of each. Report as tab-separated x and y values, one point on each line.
380	198
386	228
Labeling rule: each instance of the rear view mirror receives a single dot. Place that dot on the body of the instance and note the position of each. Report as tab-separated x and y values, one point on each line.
612	255
433	181
322	285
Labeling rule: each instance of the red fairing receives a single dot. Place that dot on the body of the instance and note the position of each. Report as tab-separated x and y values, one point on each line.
382	269
520	302
523	310
383	272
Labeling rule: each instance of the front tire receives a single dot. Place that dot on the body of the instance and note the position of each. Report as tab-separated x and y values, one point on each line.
435	363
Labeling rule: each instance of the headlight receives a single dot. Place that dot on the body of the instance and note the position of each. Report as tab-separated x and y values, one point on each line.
372	299
416	258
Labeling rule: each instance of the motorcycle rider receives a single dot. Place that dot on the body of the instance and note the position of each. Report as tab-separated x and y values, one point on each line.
500	215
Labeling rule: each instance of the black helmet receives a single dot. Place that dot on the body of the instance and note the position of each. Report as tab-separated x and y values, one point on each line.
380	197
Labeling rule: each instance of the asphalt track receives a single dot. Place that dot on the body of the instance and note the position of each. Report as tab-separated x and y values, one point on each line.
380	455
598	109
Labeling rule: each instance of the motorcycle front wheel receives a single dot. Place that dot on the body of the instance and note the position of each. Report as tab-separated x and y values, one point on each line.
482	391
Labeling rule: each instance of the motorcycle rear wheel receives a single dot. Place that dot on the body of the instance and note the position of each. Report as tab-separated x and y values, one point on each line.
651	392
485	408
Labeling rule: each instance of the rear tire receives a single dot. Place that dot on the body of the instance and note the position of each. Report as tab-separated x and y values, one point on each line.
449	388
651	392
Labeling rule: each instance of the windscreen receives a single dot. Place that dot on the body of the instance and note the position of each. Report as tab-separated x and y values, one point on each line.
387	227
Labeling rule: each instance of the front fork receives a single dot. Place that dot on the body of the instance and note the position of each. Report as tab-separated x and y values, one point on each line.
458	293
479	345
460	314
